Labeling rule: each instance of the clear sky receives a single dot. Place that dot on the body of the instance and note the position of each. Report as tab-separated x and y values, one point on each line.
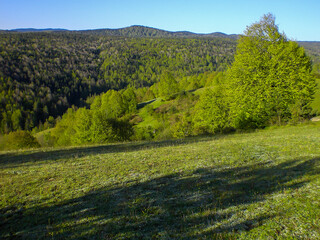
299	19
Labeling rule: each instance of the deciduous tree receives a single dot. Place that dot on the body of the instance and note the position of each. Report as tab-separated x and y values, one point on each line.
270	79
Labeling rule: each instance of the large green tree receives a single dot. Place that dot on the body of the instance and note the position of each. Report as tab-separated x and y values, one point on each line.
270	79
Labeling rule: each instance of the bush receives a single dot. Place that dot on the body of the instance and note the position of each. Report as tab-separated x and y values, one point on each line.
143	133
20	139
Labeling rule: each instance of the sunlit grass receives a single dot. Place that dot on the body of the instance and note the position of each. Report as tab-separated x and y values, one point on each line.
252	185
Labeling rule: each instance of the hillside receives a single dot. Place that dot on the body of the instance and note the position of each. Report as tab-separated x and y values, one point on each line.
25	30
313	48
259	185
148	32
132	31
43	72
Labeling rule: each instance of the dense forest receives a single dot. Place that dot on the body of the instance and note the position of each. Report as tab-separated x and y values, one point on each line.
94	86
43	74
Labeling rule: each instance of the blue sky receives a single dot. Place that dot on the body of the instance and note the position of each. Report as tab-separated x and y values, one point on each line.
299	19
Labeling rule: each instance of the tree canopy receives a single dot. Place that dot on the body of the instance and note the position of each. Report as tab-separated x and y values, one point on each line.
270	79
44	74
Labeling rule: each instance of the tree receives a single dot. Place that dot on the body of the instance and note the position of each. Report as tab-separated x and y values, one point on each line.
212	110
167	85
101	128
16	119
63	133
269	78
82	125
112	104
130	100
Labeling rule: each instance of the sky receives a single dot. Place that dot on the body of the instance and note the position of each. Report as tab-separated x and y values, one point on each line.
298	19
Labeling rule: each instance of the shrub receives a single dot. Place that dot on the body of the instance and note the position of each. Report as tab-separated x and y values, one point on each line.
20	139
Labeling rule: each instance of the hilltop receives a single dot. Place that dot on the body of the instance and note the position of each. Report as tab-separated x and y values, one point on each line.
142	31
132	31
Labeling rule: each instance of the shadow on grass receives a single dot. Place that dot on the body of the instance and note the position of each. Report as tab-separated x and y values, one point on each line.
9	159
205	204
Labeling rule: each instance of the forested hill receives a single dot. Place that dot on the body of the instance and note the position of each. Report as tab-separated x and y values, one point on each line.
147	32
313	50
42	74
133	31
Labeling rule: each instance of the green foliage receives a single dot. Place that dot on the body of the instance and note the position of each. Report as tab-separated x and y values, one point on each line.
166	119
142	62
167	85
16	119
44	74
143	133
183	126
64	130
104	122
19	140
112	104
101	128
130	100
316	102
212	110
83	121
270	79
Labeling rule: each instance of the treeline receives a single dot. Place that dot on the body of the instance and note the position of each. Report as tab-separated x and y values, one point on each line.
44	74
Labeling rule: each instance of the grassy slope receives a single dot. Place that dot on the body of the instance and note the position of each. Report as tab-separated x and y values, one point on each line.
256	185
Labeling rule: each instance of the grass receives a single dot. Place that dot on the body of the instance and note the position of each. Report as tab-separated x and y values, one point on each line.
263	185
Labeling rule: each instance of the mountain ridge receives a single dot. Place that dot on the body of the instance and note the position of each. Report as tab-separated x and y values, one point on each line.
22	30
136	31
131	31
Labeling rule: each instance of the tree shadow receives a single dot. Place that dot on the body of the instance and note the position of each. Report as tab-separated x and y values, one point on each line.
16	158
202	204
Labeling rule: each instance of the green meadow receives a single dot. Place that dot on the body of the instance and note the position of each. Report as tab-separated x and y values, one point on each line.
262	184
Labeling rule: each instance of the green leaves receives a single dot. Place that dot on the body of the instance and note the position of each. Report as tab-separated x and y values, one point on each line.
212	110
20	139
269	75
167	85
104	122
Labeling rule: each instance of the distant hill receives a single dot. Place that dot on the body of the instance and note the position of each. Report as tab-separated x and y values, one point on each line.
142	31
313	50
133	31
38	30
137	31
